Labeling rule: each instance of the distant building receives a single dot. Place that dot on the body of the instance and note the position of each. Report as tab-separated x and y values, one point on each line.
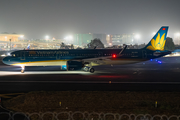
119	39
84	39
13	37
106	39
102	37
109	39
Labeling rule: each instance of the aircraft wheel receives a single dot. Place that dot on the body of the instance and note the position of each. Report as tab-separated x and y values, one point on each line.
91	70
22	71
86	69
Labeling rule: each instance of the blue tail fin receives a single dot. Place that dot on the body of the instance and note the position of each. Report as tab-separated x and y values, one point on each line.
159	40
28	47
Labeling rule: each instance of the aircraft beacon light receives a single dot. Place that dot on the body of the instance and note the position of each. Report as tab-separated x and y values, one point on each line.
114	56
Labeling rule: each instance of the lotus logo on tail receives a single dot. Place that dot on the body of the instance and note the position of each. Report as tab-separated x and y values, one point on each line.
157	44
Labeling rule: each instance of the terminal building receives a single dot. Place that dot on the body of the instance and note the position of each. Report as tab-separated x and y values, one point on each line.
8	41
12	37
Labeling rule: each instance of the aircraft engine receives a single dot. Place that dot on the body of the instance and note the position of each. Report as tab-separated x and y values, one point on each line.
74	65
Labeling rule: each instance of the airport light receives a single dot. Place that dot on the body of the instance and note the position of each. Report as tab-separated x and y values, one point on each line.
22	36
3	55
177	37
177	34
8	54
46	37
5	37
69	38
137	36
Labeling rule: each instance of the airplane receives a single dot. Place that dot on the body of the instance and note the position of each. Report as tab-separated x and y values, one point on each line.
87	58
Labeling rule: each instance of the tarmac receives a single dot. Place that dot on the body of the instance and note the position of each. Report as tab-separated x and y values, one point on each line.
144	76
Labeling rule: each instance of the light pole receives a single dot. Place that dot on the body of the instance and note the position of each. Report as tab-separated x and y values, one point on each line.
108	39
10	44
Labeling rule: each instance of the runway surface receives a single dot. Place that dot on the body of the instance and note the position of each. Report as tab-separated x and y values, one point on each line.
144	76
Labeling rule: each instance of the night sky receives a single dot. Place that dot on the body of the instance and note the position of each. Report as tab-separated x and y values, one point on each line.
58	18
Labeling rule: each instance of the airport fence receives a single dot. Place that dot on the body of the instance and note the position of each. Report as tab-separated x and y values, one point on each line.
82	116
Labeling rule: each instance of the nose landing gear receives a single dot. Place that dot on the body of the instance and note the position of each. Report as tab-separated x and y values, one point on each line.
22	69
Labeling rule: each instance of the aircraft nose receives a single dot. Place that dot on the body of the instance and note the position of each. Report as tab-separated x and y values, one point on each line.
5	60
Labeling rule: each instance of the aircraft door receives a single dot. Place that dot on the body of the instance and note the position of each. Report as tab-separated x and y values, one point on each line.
144	54
22	55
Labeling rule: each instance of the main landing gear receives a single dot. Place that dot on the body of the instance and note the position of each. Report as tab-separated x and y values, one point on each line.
92	70
22	69
88	69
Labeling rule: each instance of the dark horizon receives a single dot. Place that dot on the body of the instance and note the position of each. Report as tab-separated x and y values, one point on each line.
58	18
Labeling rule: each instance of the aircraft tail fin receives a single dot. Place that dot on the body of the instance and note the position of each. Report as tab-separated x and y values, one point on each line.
28	47
159	40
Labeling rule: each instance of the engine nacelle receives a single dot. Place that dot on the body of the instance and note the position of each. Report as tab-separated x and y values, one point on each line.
74	65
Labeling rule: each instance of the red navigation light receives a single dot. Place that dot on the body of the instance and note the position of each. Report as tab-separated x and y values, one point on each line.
114	56
164	29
